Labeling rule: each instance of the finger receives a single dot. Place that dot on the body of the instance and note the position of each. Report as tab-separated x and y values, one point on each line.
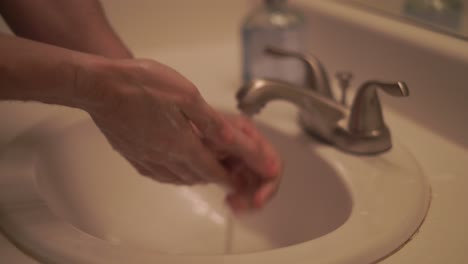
252	194
238	202
213	127
210	123
232	167
219	153
257	154
257	190
265	193
222	137
201	162
249	128
250	180
195	130
267	189
267	150
263	158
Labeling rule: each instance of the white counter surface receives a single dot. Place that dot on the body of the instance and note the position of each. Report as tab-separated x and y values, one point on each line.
202	43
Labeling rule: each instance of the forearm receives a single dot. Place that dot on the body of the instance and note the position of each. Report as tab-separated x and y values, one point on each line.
32	71
73	24
149	113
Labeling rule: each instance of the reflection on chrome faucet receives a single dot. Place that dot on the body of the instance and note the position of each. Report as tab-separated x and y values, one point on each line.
358	129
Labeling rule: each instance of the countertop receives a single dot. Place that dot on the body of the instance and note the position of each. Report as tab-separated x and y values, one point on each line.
202	43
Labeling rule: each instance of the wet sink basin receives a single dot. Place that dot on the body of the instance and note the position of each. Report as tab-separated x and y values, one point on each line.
67	197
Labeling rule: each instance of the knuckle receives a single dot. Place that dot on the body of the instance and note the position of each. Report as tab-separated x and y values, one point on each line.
191	95
193	92
145	64
225	135
221	130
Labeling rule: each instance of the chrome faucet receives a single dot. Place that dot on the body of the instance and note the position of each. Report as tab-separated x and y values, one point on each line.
357	129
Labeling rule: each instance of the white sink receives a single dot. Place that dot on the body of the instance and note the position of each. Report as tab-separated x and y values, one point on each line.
67	197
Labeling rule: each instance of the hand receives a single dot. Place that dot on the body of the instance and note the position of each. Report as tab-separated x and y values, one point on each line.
250	188
159	122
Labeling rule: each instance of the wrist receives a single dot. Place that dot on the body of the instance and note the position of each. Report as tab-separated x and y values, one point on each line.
89	82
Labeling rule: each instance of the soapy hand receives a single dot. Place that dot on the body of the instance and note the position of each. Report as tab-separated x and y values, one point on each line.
159	122
251	187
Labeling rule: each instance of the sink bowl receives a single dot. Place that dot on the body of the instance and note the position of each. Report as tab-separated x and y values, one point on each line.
96	190
66	196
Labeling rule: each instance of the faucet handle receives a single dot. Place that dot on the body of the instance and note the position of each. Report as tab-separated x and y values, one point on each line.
316	76
398	89
344	81
366	112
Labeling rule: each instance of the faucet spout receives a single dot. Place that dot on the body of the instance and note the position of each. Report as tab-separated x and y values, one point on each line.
255	94
318	113
315	75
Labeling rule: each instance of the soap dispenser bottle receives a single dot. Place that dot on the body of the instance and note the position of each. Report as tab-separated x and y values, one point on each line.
273	24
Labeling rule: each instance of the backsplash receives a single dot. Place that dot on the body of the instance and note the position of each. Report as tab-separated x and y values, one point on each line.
437	80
